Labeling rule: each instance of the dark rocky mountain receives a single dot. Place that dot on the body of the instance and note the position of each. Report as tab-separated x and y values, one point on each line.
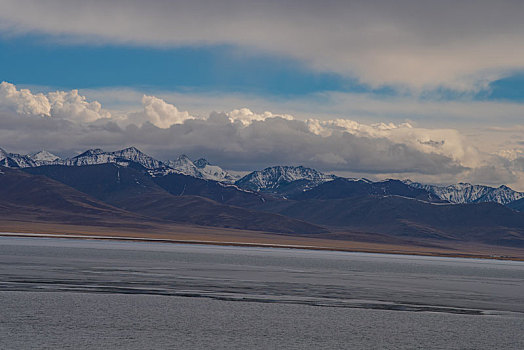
124	156
517	205
490	223
29	197
112	192
283	180
201	169
346	188
179	185
279	181
468	193
135	191
129	186
14	160
201	163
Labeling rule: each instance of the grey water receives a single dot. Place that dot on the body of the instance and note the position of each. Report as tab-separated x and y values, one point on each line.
93	294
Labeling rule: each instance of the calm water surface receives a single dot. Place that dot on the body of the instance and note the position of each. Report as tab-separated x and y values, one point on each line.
80	294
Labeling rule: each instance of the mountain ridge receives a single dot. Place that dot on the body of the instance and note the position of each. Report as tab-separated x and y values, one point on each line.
389	208
135	191
461	193
282	181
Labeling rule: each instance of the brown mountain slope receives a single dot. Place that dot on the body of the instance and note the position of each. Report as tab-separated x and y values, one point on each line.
490	223
35	198
133	190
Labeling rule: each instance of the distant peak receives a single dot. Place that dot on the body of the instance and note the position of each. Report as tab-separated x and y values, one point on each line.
91	152
131	149
201	163
389	180
287	167
43	155
183	158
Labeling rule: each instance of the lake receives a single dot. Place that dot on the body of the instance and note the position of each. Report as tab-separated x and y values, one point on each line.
92	294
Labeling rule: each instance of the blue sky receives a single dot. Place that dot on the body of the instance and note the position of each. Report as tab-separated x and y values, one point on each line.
37	60
510	88
41	61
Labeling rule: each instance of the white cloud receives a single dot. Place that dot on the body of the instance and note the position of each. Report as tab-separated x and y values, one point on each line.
245	116
244	140
160	113
23	101
446	142
411	43
368	109
59	104
71	105
511	154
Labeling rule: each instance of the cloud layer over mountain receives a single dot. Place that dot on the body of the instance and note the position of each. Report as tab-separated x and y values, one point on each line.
64	121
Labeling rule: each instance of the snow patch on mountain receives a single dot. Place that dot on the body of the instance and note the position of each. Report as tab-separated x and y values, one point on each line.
122	157
468	193
214	172
135	155
201	169
44	157
184	165
272	177
14	160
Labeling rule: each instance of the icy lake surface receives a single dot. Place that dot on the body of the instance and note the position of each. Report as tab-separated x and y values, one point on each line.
89	294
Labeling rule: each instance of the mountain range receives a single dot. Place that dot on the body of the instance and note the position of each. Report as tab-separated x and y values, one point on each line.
281	181
468	193
289	200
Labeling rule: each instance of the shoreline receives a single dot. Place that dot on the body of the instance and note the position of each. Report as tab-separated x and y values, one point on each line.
255	245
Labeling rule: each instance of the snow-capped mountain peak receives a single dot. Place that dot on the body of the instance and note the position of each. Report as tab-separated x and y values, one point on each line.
4	158
135	155
214	172
130	152
43	157
273	177
90	152
201	169
277	179
3	153
185	166
201	163
14	160
122	157
467	193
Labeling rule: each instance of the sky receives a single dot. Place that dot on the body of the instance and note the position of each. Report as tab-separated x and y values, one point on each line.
432	91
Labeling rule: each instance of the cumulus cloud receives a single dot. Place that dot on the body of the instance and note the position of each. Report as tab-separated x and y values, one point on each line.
59	104
445	142
71	105
245	116
245	140
159	113
412	43
23	101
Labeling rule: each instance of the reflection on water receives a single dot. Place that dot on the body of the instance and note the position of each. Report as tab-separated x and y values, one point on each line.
140	295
